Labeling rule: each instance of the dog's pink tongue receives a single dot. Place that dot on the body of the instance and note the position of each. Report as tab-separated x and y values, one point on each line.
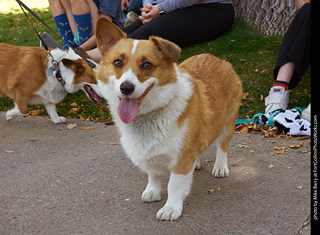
128	109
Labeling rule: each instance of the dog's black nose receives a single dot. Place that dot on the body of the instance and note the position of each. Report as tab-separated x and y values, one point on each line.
127	88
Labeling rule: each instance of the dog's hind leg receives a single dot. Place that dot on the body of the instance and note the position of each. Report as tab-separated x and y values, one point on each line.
220	168
197	164
20	106
13	112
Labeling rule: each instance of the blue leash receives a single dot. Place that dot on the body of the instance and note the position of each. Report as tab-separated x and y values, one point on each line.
239	121
270	119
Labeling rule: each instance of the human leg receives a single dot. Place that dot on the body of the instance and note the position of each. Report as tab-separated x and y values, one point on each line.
293	60
60	9
187	26
82	16
295	48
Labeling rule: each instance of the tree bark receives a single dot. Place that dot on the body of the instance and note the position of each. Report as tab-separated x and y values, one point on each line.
271	17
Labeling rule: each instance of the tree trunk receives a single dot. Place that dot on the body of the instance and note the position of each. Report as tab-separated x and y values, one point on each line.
271	17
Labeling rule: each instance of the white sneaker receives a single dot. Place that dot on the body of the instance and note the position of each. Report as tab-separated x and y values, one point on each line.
278	98
306	114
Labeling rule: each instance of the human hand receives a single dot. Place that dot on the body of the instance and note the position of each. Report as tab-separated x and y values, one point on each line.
148	13
124	5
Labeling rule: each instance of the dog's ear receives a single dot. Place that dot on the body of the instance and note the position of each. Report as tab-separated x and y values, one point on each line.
168	48
107	34
82	53
75	65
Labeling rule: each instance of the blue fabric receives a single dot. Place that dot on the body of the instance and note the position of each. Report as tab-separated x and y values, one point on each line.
84	27
64	29
113	9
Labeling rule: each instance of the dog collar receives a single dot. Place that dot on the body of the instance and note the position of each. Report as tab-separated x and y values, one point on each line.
54	70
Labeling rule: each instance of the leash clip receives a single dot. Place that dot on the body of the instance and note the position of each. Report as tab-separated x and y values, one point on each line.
56	72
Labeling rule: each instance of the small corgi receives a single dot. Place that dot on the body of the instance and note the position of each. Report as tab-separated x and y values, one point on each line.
27	77
167	113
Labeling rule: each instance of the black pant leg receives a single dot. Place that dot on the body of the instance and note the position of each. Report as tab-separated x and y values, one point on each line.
187	26
296	46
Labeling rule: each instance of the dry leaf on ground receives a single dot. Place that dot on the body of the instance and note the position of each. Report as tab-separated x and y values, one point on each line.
35	113
113	143
71	126
280	147
74	104
209	191
296	146
74	110
86	128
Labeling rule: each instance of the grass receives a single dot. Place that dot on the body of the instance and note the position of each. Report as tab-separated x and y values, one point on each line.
252	55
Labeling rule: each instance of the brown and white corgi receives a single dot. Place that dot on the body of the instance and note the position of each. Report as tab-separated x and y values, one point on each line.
167	113
26	76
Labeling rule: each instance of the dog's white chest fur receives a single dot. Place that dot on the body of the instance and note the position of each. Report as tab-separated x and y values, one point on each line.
153	142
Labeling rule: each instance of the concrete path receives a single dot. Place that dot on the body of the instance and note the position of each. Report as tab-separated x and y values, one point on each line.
59	181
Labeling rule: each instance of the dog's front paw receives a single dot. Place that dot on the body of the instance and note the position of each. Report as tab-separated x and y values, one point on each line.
150	196
220	171
168	213
59	120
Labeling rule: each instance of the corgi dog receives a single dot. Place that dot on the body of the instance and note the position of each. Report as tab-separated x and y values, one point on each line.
27	77
167	113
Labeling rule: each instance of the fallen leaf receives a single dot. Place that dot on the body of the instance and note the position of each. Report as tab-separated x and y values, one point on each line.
74	104
9	151
261	97
296	146
86	128
209	191
245	95
243	146
244	130
299	187
74	110
35	113
280	147
113	143
282	151
263	71
71	126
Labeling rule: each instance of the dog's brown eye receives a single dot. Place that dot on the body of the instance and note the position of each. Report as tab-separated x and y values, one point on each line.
147	66
118	63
